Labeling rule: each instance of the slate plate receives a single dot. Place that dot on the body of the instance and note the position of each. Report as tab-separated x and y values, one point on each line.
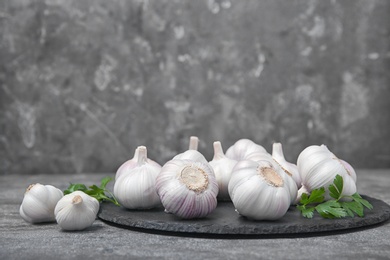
224	221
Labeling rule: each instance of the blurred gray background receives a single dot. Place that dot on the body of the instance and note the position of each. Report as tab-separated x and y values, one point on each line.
83	82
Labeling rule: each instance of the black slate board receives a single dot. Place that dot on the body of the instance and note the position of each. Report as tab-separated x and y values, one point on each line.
224	221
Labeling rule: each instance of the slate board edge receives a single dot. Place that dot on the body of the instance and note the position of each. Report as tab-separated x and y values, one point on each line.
381	215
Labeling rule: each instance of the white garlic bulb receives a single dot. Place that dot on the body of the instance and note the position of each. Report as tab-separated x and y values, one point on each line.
258	190
76	211
39	202
290	183
187	189
242	148
318	168
223	168
290	168
136	189
132	163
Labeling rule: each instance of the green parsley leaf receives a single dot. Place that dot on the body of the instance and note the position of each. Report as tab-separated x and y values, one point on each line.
356	197
331	209
104	182
307	212
340	206
94	191
336	189
74	187
316	196
352	208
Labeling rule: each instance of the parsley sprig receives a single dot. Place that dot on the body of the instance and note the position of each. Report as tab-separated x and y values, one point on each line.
339	207
98	193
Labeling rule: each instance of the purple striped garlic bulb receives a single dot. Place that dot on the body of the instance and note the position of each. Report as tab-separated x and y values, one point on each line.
188	187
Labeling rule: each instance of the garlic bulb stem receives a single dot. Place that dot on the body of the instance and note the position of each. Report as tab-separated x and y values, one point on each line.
218	151
142	155
77	200
194	141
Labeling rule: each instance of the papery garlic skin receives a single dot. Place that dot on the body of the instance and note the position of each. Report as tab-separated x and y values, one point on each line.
318	168
223	168
290	168
191	155
136	189
131	164
187	189
39	202
258	190
242	148
76	211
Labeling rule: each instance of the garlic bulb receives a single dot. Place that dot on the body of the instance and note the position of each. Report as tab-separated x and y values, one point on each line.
223	168
136	189
290	168
187	188
132	163
39	202
318	168
242	148
76	211
290	183
258	190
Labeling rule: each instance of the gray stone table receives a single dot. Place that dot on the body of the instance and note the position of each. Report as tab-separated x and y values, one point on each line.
20	240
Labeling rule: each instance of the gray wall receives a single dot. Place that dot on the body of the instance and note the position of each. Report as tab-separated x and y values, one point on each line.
83	82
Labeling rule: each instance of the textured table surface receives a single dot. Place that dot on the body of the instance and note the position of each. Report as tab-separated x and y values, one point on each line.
21	240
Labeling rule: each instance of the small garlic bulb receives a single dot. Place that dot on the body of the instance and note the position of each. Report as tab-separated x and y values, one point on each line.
131	164
242	148
289	168
258	190
76	211
223	168
39	202
318	168
187	189
136	188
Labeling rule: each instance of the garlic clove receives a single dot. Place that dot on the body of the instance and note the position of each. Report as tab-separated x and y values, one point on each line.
136	189
76	211
187	189
290	168
242	148
39	202
132	163
223	168
258	190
